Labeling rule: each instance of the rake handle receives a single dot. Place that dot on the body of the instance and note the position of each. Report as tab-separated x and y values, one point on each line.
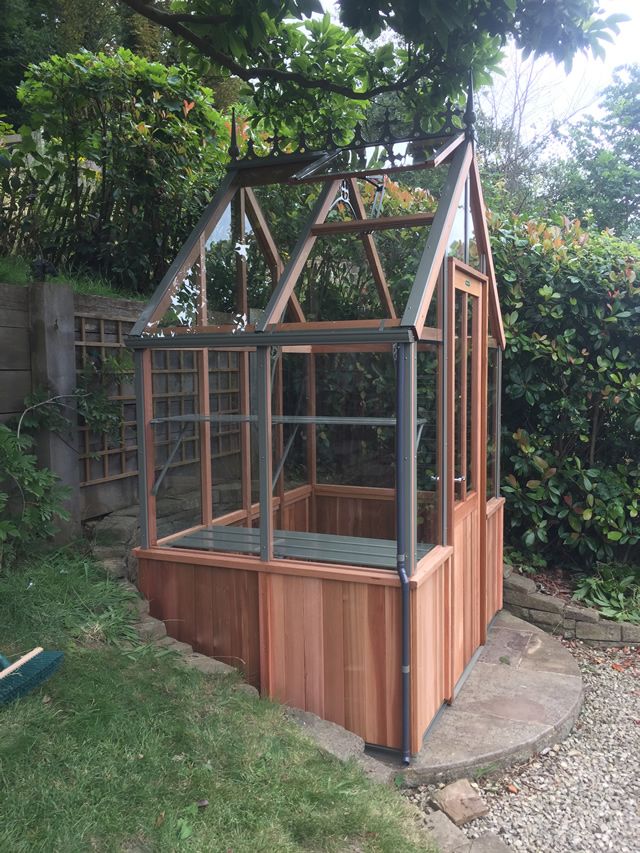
18	663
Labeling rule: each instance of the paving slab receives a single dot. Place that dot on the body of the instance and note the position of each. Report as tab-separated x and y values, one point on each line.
523	694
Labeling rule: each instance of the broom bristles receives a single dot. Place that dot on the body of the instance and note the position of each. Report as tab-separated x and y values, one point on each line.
29	675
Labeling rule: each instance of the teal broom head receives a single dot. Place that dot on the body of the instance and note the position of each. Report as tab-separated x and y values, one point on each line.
27	673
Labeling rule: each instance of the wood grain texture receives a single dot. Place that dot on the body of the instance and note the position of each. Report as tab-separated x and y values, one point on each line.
429	645
494	579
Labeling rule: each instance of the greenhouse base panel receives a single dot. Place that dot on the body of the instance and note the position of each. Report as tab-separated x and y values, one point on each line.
326	637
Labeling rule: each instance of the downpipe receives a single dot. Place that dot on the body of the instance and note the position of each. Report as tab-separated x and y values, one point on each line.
401	559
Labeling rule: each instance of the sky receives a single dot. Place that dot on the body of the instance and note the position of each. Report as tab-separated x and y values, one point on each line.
568	97
576	94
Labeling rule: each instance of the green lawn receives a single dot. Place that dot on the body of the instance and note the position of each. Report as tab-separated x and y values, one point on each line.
116	751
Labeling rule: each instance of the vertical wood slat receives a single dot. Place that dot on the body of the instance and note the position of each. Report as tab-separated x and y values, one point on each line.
482	442
462	393
329	646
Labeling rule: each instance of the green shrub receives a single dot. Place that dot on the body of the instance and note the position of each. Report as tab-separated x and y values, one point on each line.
115	168
571	410
31	499
614	590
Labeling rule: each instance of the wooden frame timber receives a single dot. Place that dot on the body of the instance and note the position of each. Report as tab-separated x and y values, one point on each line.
344	552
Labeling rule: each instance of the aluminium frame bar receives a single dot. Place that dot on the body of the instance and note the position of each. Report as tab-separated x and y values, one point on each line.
190	249
263	381
332	420
286	284
424	283
406	534
284	337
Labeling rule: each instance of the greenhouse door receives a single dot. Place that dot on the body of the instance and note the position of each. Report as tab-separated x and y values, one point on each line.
469	367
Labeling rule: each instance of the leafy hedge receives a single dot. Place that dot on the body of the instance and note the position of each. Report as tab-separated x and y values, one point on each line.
117	163
571	409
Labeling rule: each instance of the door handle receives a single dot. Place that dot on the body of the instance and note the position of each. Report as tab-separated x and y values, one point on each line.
461	479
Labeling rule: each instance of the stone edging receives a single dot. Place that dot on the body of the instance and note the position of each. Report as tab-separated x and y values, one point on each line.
566	618
151	630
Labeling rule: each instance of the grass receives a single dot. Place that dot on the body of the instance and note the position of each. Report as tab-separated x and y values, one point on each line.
17	270
117	750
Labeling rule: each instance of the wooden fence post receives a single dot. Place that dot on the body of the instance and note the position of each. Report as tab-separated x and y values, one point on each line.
53	368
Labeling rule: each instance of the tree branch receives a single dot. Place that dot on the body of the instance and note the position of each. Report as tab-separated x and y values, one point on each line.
174	22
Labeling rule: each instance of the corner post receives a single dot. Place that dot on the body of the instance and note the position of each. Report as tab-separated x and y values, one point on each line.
406	498
144	414
53	366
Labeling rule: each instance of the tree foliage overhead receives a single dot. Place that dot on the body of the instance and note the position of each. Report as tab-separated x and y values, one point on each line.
601	177
122	166
428	47
33	30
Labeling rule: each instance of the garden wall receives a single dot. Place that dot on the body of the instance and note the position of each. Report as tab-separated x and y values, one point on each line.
564	618
48	335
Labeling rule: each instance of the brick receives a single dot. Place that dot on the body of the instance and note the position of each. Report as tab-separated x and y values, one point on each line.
598	631
114	567
581	614
175	646
540	601
630	633
207	665
543	617
150	629
514	596
519	583
460	802
520	612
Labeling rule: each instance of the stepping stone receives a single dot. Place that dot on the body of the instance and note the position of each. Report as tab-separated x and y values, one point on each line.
489	842
446	835
460	802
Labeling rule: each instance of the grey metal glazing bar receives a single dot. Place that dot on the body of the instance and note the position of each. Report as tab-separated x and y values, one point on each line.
284	419
287	337
435	248
280	296
445	435
263	384
190	249
498	426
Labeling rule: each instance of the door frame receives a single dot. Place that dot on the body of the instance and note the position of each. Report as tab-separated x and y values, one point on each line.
464	278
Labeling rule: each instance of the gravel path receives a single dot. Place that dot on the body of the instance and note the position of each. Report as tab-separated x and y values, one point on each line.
581	796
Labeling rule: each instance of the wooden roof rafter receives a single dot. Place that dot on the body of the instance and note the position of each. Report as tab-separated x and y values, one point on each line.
479	214
186	257
426	277
291	273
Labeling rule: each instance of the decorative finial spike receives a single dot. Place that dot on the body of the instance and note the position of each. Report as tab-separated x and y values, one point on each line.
385	132
469	116
234	151
330	142
302	142
358	139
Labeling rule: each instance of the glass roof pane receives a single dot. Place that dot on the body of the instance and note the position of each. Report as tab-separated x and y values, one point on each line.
372	159
211	291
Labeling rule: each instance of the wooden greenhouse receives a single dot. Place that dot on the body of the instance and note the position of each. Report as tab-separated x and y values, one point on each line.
317	379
